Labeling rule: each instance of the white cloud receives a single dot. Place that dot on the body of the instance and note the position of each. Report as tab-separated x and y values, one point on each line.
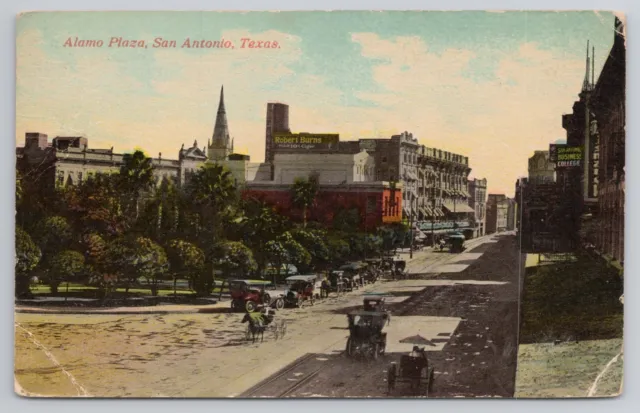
498	124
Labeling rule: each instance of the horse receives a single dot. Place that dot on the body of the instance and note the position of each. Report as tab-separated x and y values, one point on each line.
255	327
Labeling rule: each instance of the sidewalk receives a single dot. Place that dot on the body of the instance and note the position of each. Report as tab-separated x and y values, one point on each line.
156	309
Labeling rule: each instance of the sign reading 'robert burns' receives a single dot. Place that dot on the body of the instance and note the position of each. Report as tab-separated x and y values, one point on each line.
305	141
565	156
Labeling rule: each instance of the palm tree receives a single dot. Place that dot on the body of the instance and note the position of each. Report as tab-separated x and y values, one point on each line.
136	174
303	194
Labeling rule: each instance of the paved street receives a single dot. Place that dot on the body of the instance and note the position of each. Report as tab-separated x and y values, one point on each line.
470	316
465	304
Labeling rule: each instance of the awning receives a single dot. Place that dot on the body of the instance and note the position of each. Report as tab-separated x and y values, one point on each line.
425	212
457	207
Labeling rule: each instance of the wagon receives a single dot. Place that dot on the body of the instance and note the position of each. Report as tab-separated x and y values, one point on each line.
301	289
366	338
414	370
456	243
248	295
335	282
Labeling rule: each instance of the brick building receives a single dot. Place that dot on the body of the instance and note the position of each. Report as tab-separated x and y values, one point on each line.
608	104
497	213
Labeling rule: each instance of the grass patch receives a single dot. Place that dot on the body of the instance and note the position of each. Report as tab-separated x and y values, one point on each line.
567	369
571	301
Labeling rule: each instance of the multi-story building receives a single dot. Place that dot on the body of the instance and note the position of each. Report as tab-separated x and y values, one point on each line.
477	189
608	104
68	160
497	213
277	122
541	169
512	211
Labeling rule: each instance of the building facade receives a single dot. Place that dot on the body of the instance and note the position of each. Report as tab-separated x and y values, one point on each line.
277	120
377	203
497	213
330	169
68	160
608	103
541	169
477	189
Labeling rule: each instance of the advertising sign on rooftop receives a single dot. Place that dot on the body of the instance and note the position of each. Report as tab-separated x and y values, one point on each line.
304	142
565	156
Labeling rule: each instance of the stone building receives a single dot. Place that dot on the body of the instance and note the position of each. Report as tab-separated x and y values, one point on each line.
497	213
541	169
608	105
68	160
396	160
477	189
330	169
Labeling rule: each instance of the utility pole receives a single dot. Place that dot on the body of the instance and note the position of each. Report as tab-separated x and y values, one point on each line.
433	222
411	226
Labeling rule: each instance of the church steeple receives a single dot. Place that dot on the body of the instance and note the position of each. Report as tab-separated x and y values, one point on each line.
220	146
586	84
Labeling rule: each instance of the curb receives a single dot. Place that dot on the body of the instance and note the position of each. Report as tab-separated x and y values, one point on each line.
215	310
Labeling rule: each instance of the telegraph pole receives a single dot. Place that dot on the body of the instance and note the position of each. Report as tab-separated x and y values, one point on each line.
433	222
411	225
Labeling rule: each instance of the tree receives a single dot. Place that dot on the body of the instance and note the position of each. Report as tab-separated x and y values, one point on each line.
53	235
19	192
339	249
212	193
96	204
185	259
303	194
258	225
64	266
27	258
235	258
347	220
278	256
120	260
96	261
314	243
149	261
136	177
297	254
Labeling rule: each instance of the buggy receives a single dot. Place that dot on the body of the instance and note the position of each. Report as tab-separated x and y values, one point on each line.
366	338
248	295
415	370
301	289
335	282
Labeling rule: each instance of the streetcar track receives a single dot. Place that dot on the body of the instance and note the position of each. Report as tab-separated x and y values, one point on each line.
299	362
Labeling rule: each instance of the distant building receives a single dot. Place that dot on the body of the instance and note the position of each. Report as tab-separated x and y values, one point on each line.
497	213
68	160
277	120
478	202
541	169
512	211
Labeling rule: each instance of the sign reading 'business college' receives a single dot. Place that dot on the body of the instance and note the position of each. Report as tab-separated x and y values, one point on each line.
303	142
565	156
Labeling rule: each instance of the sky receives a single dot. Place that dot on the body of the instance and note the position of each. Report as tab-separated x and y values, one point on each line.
488	85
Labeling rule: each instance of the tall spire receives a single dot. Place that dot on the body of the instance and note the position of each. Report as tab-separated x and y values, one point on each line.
220	142
221	128
586	84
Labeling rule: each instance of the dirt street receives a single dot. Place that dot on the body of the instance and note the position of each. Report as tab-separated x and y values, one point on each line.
207	355
478	358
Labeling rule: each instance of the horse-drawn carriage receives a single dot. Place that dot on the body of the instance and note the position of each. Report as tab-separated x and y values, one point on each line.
302	288
456	242
334	282
366	338
415	370
353	274
264	320
248	295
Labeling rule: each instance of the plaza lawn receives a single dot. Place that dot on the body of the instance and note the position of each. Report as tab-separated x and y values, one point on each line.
81	289
569	301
